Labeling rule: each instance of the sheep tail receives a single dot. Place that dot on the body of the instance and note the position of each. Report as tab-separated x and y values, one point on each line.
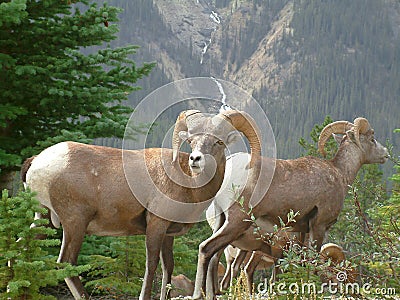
25	167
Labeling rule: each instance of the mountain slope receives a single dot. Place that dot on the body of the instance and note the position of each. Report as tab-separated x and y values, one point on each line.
300	59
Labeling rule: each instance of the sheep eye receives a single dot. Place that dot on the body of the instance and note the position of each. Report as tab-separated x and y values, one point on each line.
219	142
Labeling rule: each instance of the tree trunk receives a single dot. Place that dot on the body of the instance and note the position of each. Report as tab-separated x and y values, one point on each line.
9	181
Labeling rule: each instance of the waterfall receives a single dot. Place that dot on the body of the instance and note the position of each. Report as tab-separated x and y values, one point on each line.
224	106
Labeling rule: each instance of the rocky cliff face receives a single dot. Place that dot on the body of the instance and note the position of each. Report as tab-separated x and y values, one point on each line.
302	60
215	36
263	68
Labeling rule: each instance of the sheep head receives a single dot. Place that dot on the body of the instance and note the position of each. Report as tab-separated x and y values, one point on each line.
360	126
333	252
336	254
210	134
185	119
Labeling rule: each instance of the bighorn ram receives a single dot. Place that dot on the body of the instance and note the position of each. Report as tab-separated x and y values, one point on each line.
86	190
311	186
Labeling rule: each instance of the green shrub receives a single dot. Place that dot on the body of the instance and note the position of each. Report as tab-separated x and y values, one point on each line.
25	265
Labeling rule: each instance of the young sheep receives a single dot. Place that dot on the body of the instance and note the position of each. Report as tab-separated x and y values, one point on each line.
257	260
252	261
240	251
183	286
336	254
311	186
87	191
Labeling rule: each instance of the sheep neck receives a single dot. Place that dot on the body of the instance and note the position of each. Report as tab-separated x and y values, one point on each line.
210	189
348	160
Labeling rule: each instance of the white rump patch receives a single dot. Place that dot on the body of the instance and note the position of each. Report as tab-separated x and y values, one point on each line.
267	259
48	164
235	175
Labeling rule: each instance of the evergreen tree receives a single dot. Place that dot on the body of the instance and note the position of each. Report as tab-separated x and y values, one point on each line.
384	231
25	265
118	263
312	148
390	211
50	90
117	270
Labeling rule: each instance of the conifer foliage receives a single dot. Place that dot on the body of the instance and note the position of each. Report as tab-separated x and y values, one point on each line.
25	265
50	90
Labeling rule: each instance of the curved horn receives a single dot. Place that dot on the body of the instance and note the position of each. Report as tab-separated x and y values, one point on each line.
361	125
244	123
335	127
180	125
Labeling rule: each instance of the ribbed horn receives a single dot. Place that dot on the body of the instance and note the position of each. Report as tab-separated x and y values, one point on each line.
335	127
244	123
361	125
180	125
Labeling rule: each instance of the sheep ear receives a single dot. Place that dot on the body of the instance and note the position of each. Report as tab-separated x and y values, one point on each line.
183	135
337	138
233	136
351	135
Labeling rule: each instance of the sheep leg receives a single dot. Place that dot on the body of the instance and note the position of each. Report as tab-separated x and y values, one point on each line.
227	276
212	274
317	233
222	238
167	264
155	234
302	238
250	268
239	259
70	247
275	272
40	216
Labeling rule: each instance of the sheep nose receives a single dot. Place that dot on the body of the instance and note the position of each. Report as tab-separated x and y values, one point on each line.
195	158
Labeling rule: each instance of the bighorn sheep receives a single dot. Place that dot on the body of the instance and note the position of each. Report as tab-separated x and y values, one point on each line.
181	286
312	186
336	254
256	260
239	252
86	190
252	261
